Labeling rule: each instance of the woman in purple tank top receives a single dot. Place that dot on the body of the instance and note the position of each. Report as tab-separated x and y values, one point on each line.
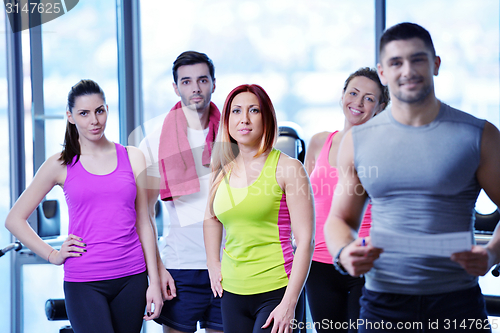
110	251
334	297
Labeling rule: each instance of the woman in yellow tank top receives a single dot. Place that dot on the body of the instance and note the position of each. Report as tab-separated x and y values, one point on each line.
259	196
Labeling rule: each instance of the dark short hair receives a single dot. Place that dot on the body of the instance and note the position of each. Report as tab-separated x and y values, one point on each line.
405	31
192	58
371	74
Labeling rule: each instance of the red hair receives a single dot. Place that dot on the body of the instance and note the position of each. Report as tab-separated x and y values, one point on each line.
267	111
226	148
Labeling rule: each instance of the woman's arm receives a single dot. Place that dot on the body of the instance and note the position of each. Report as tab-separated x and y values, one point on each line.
152	184
51	173
313	150
300	202
167	283
146	236
212	234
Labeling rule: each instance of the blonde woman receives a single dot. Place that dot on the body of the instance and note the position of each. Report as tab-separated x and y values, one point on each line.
332	295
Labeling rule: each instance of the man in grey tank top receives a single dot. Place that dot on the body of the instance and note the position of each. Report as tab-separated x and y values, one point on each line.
422	164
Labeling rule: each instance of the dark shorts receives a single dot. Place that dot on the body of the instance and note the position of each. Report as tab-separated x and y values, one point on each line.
248	313
458	311
194	302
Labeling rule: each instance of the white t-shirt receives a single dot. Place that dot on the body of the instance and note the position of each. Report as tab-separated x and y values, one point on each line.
183	247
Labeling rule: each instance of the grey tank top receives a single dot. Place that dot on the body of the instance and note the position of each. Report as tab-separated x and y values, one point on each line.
421	180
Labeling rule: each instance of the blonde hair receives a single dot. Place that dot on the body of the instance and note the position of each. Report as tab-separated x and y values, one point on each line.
226	148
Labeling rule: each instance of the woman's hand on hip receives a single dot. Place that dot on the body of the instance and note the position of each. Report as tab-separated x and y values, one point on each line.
73	246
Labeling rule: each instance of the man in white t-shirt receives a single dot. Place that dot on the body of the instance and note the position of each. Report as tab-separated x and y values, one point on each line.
178	157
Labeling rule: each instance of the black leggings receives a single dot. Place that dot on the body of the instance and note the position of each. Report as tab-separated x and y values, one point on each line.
108	306
247	313
332	296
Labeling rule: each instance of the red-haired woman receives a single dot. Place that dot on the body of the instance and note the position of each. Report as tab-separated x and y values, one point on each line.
260	196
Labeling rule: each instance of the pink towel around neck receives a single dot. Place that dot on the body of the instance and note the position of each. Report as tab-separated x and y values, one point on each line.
176	162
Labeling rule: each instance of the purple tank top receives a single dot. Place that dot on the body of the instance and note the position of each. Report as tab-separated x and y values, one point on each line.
102	212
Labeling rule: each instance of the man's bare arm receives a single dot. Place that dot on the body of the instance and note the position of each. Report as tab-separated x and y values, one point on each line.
479	260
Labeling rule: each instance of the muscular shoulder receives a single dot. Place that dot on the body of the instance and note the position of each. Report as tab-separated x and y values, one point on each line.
458	116
490	142
490	131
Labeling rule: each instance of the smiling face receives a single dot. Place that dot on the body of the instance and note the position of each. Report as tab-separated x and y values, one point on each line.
245	120
89	115
360	100
194	86
408	67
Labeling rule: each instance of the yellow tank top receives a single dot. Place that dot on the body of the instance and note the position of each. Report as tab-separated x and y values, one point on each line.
258	254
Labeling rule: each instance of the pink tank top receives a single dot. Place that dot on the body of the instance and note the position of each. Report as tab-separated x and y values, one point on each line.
324	179
102	212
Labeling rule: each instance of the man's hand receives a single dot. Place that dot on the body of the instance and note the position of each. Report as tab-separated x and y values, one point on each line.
357	258
167	285
475	262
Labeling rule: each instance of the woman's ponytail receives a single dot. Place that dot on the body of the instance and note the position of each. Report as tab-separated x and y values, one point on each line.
71	143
